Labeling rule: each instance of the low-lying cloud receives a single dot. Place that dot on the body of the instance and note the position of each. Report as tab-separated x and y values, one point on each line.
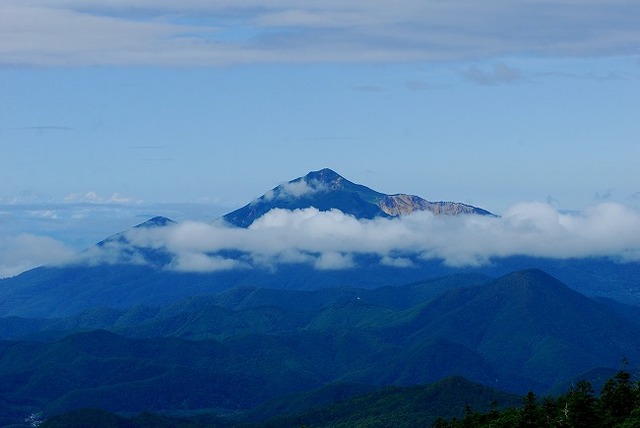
42	232
334	240
25	251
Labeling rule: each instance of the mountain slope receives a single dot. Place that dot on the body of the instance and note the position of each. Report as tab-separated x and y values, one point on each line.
241	310
326	190
524	331
103	370
412	406
530	324
334	405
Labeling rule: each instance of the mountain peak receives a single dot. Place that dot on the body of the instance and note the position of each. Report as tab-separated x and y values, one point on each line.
153	222
534	288
157	221
529	278
323	175
325	189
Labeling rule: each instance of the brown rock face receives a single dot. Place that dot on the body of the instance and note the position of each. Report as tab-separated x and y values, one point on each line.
401	204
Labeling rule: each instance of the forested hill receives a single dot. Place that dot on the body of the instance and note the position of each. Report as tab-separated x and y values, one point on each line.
451	403
239	350
616	405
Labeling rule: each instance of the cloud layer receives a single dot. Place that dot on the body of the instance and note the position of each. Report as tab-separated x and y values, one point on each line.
25	251
333	240
204	33
35	232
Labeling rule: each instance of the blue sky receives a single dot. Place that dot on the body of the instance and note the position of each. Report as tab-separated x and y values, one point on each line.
112	111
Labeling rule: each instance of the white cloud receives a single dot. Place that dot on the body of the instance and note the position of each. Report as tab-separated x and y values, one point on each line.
25	251
333	260
400	262
200	262
111	253
300	188
46	214
295	189
332	240
203	33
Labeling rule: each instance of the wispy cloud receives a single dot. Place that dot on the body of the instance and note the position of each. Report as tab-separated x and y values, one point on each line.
295	189
499	73
202	33
333	240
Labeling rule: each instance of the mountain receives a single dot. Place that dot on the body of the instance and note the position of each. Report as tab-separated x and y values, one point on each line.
241	310
120	273
326	190
337	405
60	291
401	406
152	223
237	350
529	324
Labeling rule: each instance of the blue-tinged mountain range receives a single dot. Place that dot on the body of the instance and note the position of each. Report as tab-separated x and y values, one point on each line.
129	274
249	348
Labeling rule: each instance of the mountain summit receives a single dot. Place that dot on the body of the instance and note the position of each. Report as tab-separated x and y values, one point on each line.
325	189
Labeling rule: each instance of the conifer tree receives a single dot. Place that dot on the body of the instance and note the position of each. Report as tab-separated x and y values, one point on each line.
617	398
581	406
531	416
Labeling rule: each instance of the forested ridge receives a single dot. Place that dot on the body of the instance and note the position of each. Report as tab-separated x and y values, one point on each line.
257	353
617	406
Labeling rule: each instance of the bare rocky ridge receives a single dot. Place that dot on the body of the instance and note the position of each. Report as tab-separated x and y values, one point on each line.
401	204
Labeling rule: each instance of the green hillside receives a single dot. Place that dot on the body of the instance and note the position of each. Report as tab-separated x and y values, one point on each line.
239	351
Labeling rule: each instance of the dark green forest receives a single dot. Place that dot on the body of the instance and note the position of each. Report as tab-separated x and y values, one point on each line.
252	354
472	405
617	406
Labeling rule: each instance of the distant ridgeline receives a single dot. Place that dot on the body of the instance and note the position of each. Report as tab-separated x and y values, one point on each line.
136	267
450	403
